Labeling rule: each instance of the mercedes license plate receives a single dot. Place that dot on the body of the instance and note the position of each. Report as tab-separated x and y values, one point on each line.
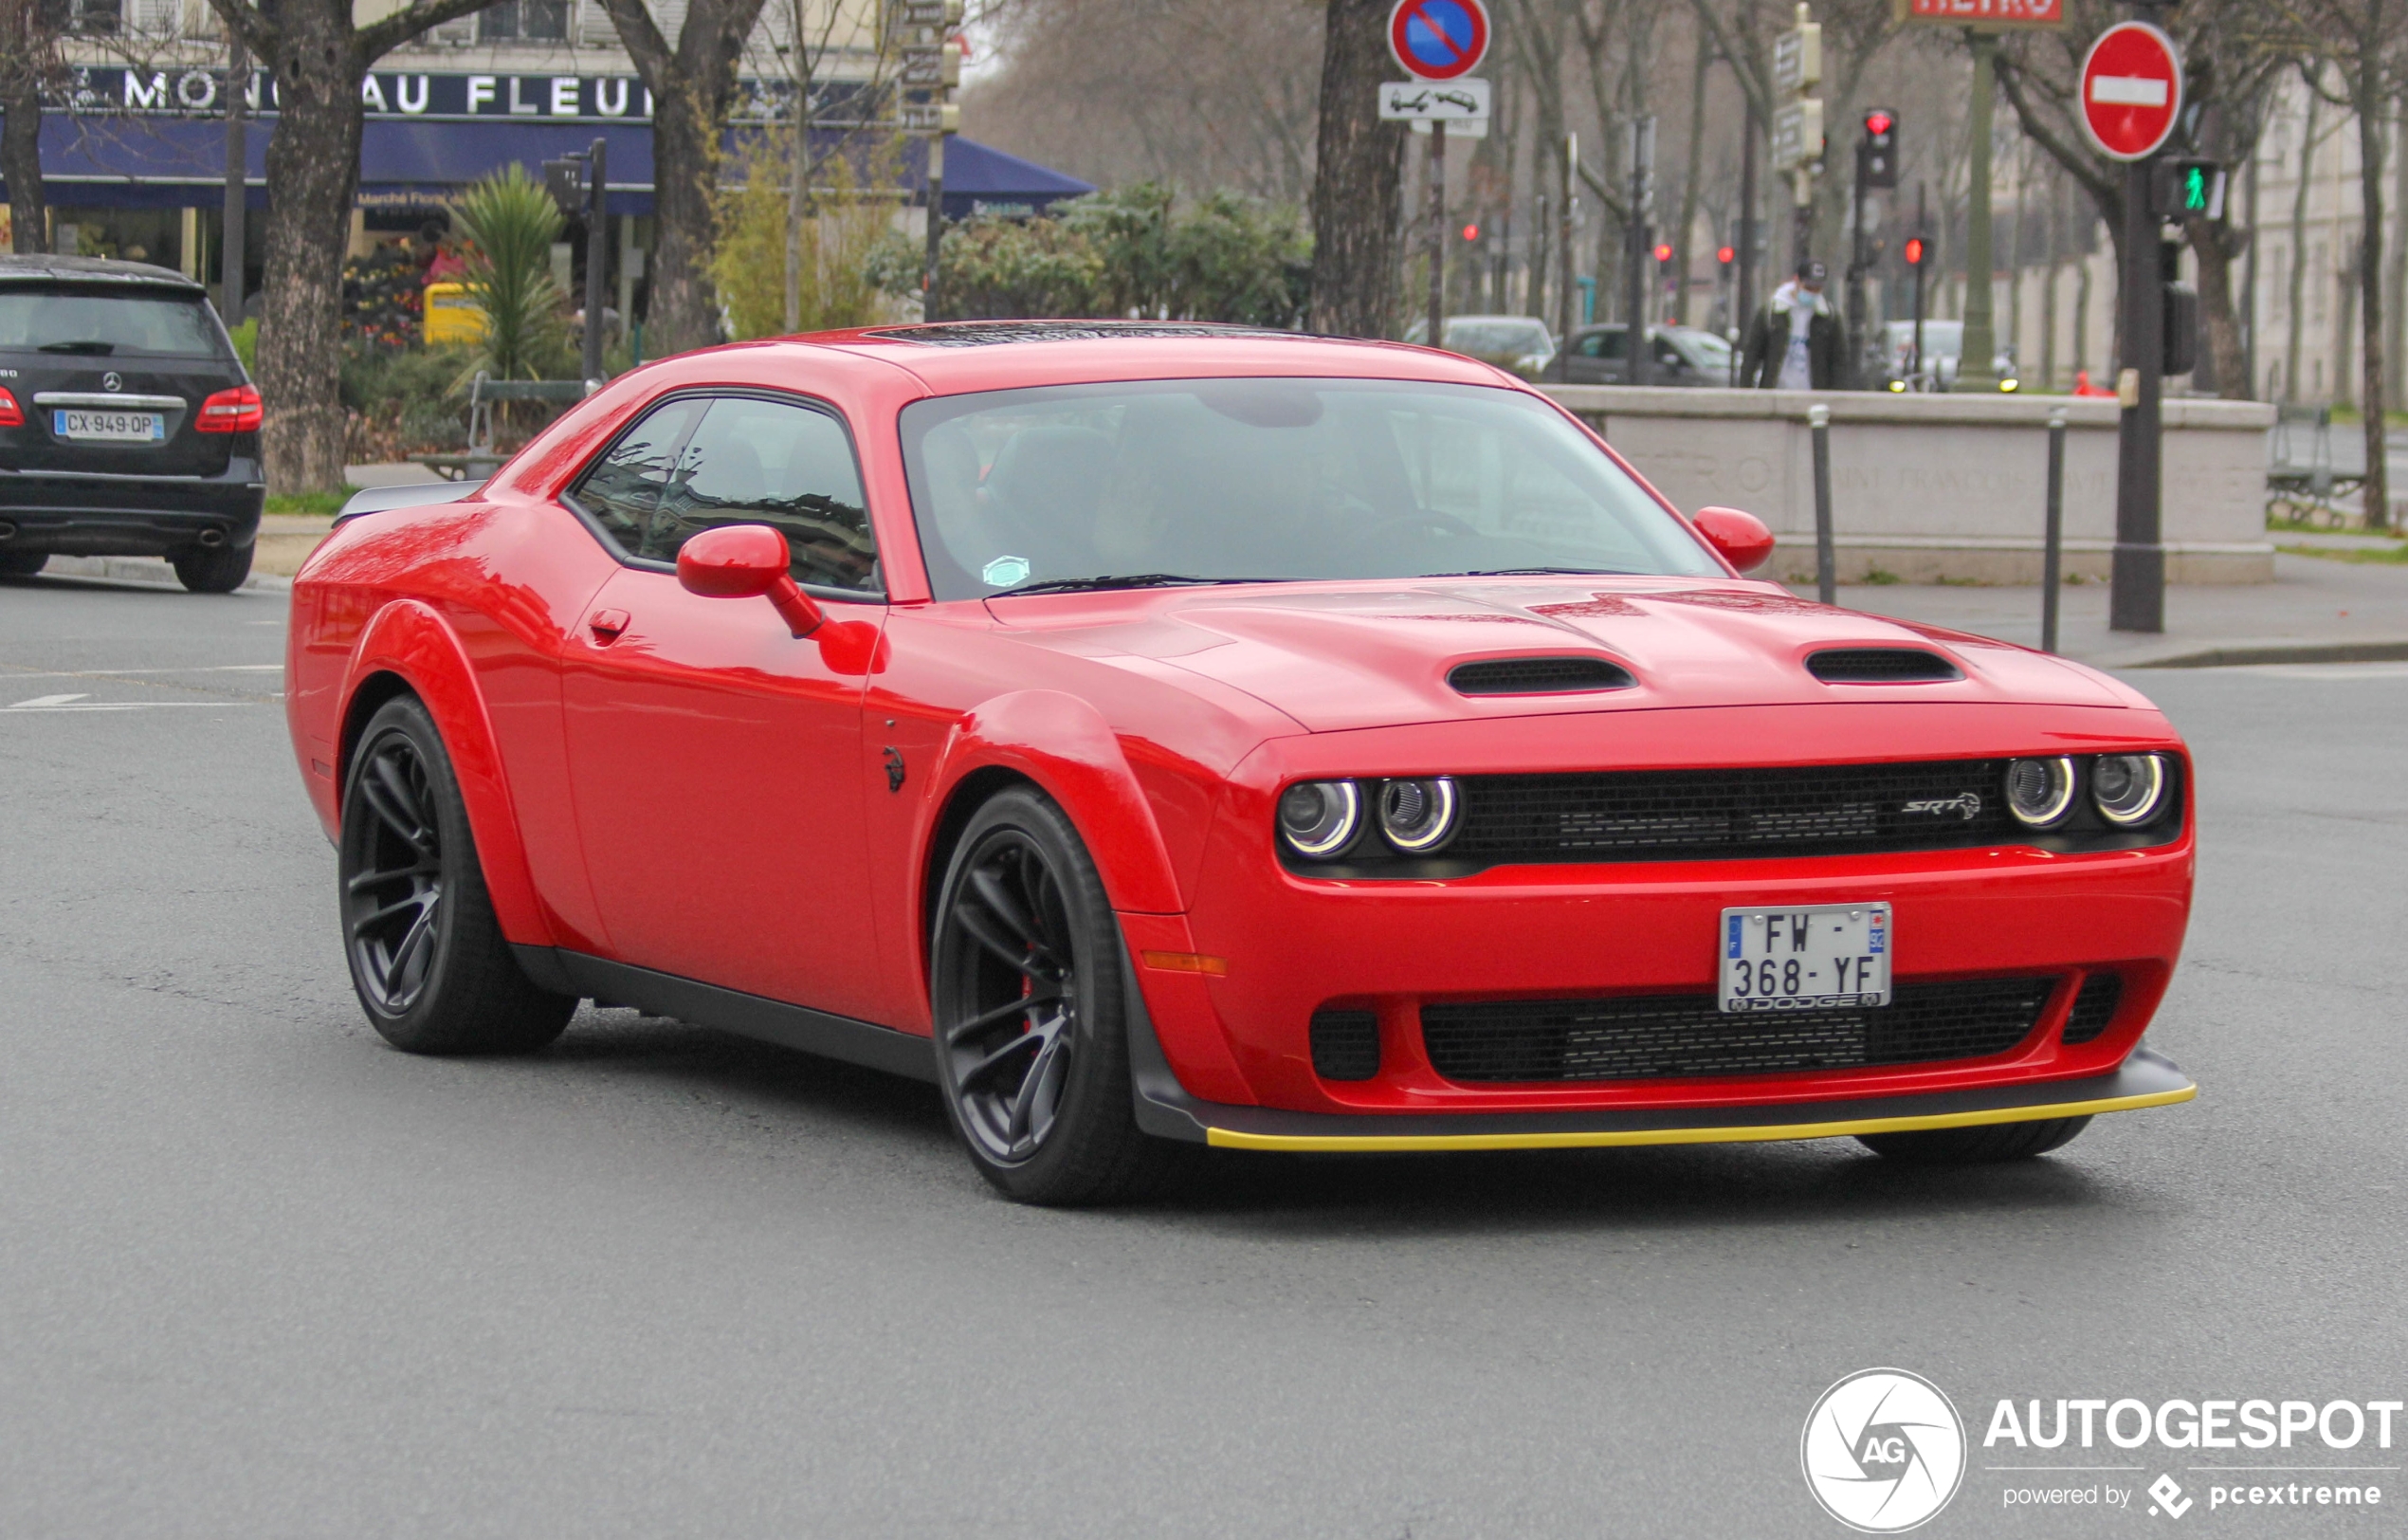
112	426
1815	958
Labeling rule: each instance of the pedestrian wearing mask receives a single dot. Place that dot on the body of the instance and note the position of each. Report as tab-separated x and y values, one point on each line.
1793	344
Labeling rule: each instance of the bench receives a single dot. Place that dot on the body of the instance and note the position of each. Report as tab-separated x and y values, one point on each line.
482	459
2301	483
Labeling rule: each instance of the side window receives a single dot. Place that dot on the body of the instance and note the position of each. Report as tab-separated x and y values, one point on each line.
623	490
758	462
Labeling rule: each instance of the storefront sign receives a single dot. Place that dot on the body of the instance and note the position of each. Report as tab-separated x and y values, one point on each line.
405	94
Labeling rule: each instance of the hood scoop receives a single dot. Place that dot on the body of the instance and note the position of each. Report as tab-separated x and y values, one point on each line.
1573	675
1881	666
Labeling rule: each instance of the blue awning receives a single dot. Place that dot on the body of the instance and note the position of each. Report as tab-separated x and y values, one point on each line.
177	162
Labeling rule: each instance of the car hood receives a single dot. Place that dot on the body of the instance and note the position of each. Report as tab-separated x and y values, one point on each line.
1343	656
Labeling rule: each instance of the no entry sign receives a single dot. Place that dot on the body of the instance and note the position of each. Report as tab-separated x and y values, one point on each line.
1437	40
2131	90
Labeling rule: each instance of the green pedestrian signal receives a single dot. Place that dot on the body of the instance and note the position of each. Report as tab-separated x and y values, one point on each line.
2185	189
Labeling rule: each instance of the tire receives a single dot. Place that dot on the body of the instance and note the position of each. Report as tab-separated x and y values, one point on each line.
219	571
21	564
428	958
1028	981
1981	1144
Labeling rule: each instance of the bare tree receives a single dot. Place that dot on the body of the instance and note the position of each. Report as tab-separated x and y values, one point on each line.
30	69
693	87
318	54
1358	188
2364	39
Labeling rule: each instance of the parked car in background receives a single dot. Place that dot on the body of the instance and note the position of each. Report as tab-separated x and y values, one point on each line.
1683	356
1943	345
128	426
1519	344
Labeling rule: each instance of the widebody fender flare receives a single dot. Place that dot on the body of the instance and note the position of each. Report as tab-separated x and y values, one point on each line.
410	640
1063	745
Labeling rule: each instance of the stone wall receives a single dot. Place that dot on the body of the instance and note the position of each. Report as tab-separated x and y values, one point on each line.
1945	488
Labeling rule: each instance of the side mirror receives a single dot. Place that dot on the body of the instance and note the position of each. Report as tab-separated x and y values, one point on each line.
1742	538
745	562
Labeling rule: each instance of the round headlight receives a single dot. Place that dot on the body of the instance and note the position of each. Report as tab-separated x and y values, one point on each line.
2128	787
2039	792
1418	816
1318	817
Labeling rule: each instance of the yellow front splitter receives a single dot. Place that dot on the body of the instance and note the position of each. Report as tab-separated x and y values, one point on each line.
2146	1079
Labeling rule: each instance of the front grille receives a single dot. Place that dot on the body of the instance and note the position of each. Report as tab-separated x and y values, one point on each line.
1657	1035
1880	665
1345	1045
2093	1008
1701	814
1538	676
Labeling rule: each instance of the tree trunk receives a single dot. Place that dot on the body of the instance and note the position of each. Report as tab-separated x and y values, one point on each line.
2371	399
1691	175
313	177
1357	190
2292	312
685	152
2214	247
21	135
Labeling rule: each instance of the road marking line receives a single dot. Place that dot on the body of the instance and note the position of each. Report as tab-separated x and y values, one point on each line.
38	701
113	674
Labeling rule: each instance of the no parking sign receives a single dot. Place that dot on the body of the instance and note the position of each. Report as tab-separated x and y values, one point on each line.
1438	40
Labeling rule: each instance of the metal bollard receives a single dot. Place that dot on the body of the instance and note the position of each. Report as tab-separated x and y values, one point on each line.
2053	548
1826	562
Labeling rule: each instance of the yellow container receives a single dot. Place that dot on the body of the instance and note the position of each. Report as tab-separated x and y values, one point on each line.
452	316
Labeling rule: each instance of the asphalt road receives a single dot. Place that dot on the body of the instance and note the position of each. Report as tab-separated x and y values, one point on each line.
261	1276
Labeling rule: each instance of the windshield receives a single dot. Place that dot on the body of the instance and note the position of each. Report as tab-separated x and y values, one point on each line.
1237	480
1941	339
1705	349
104	324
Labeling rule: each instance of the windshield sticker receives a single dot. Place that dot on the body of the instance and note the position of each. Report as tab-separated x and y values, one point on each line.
1006	572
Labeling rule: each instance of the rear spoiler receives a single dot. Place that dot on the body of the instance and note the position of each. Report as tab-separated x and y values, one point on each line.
415	495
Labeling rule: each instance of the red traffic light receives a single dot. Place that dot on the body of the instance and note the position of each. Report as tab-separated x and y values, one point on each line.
1878	123
1664	251
1725	255
1914	250
1472	232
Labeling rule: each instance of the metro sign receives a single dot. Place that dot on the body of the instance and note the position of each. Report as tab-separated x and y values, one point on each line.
2131	90
1983	13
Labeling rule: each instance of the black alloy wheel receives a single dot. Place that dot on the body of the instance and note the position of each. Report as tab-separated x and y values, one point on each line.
23	563
428	959
1983	1144
1031	1011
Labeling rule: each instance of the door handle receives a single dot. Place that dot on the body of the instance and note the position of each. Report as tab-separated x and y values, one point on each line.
606	625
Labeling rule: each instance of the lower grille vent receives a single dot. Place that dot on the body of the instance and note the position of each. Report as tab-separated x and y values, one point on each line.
2093	1008
1345	1045
1658	1035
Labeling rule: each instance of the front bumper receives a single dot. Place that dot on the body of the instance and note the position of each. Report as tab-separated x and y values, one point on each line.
64	514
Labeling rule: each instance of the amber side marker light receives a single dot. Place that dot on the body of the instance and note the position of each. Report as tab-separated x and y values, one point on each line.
1186	963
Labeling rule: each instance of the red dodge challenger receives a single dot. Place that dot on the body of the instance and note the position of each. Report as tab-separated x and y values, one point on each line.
1167	733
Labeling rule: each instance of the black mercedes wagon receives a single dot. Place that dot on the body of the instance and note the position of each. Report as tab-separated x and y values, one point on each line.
128	426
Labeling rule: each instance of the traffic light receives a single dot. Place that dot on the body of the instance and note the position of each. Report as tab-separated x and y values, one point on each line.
2181	329
2186	189
1472	232
1914	250
1663	251
1877	151
1725	255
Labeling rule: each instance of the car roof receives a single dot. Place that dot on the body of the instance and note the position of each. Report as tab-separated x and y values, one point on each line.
953	358
42	268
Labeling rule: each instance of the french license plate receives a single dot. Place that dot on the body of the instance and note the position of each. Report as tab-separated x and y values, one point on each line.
112	426
1815	958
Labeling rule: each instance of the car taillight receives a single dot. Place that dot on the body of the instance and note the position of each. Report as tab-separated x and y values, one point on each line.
12	415
231	412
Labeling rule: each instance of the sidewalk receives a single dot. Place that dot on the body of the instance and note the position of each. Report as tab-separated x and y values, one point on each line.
2315	611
